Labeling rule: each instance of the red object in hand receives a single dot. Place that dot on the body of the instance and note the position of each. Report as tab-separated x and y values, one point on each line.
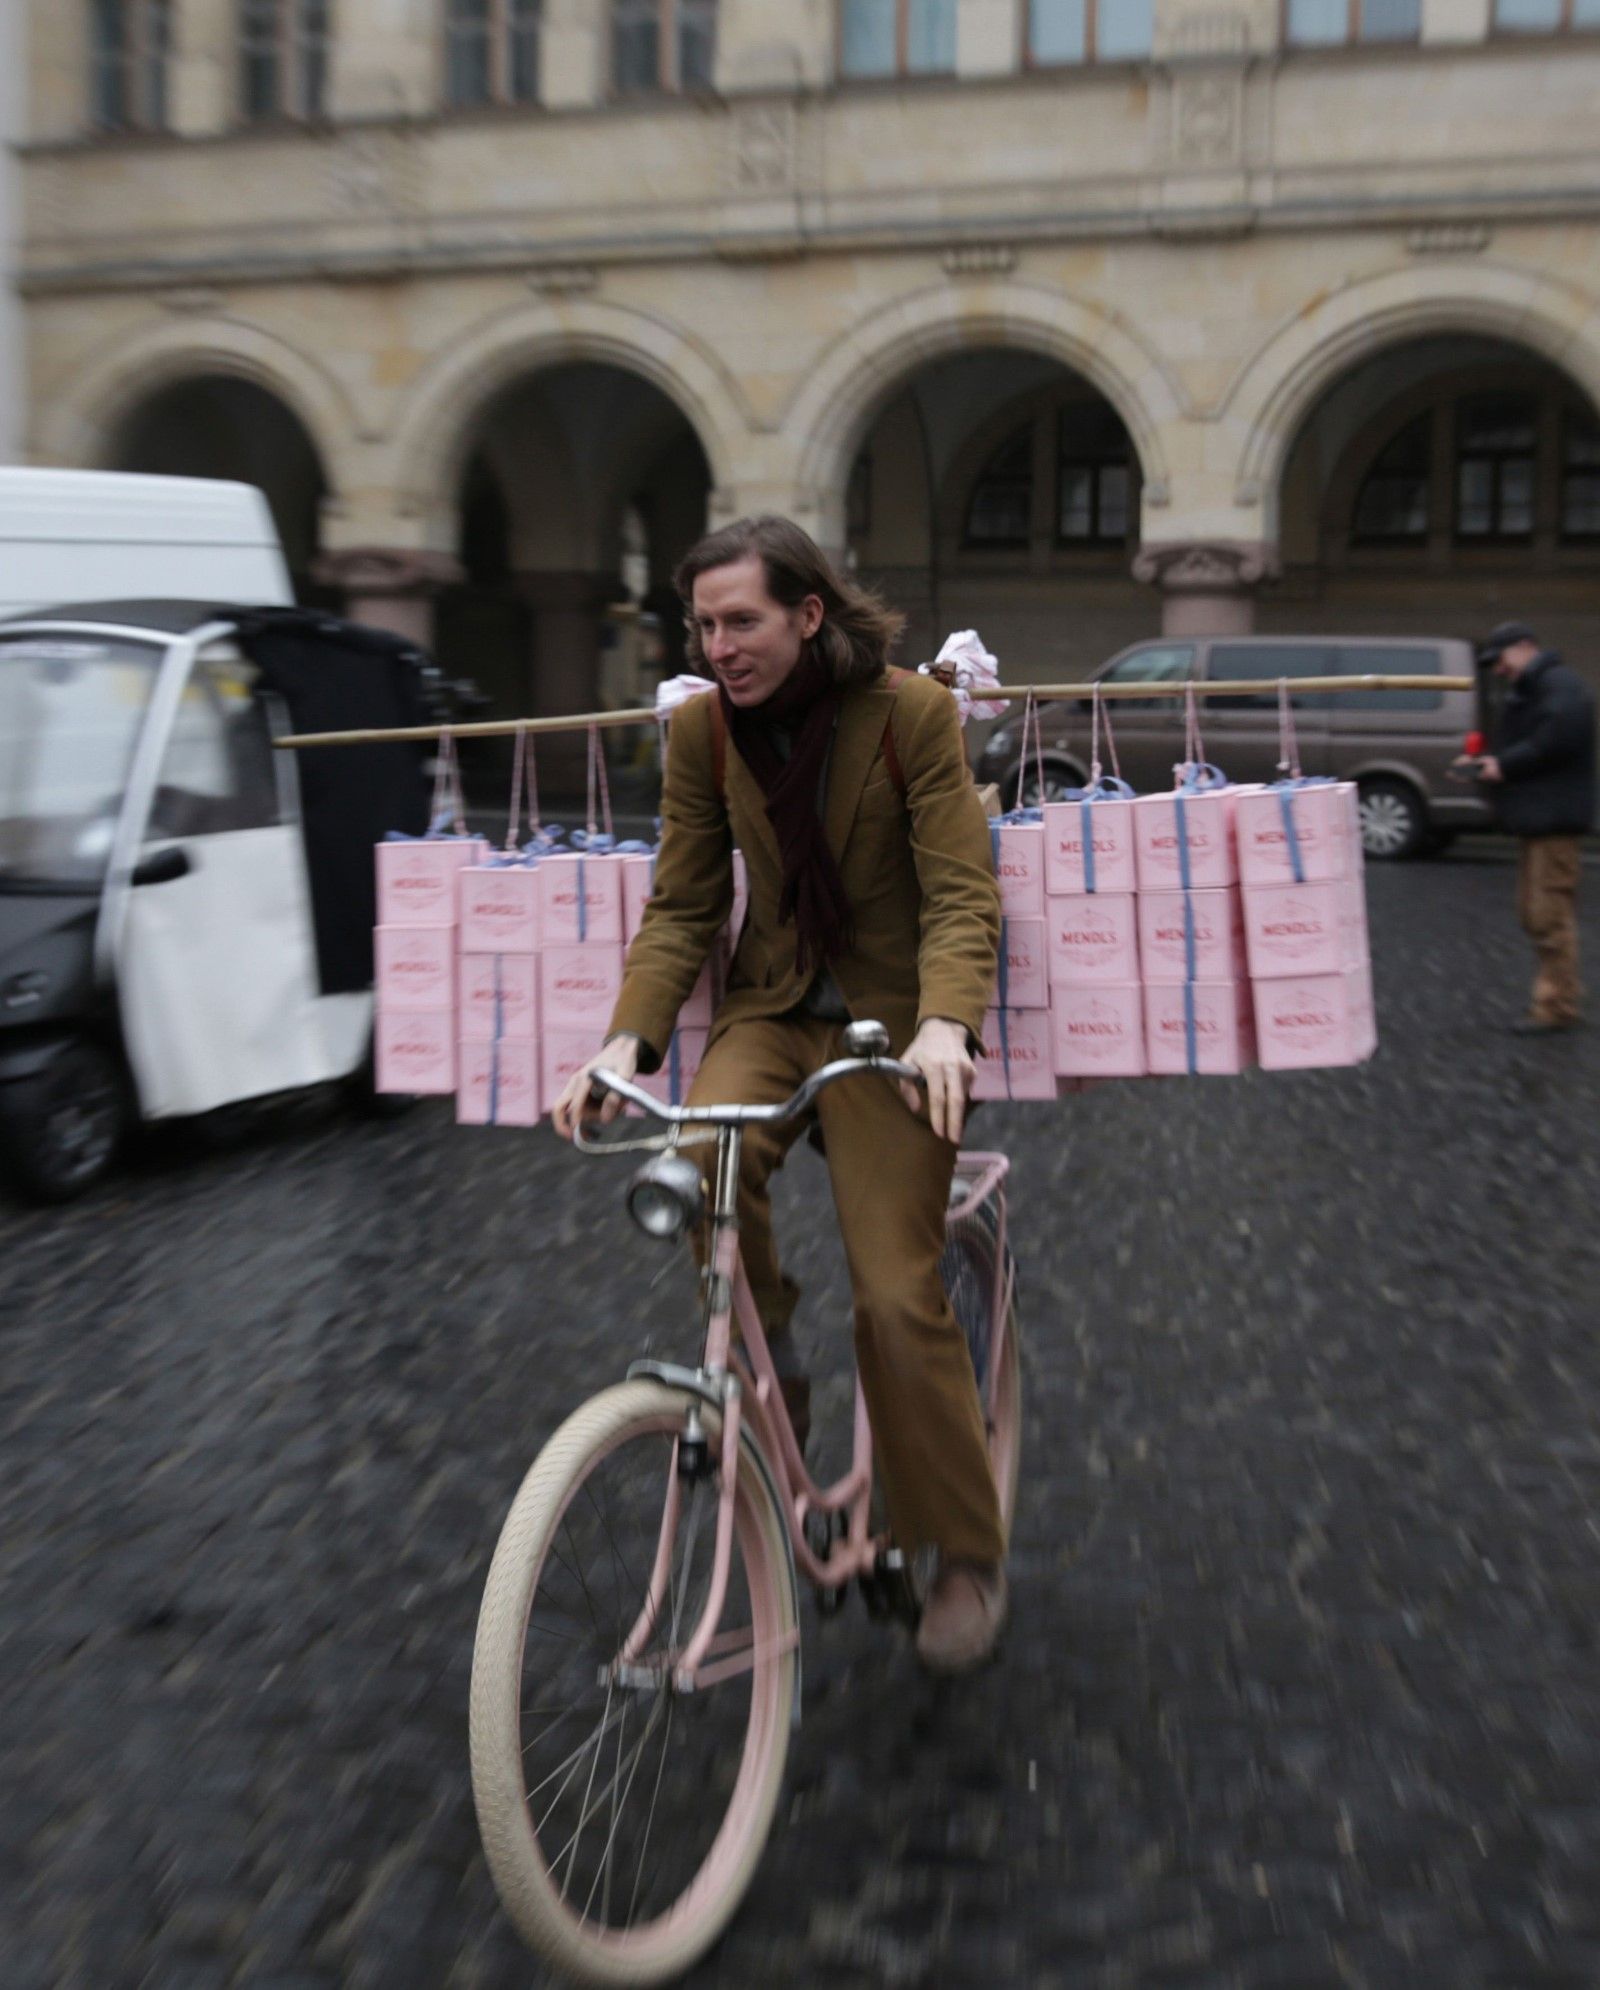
1474	745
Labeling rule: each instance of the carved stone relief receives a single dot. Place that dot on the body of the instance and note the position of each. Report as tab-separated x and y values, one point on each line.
763	148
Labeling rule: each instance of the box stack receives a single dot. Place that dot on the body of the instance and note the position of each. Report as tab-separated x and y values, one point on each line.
1305	923
1092	935
414	946
498	981
1018	1062
1197	991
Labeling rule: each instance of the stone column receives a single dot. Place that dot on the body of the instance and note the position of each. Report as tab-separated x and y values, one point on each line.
202	80
574	54
387	59
564	660
988	38
765	47
1207	585
1455	20
390	587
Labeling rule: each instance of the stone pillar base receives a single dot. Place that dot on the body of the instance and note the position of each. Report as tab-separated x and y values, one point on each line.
389	587
1207	585
566	613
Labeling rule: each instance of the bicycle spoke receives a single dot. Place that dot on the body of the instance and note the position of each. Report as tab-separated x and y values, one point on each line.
589	1808
580	1750
588	1787
650	1817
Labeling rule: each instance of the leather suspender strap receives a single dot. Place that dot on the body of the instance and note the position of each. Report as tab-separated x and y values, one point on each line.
719	743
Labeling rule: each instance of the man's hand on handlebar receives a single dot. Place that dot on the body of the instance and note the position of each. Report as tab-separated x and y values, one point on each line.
939	1052
621	1055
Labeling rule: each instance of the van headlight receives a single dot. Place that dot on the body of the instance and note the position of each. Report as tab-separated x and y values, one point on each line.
666	1198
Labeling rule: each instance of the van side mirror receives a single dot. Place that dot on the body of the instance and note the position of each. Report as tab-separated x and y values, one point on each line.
163	866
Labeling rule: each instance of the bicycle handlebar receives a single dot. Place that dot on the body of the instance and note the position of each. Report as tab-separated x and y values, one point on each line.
738	1115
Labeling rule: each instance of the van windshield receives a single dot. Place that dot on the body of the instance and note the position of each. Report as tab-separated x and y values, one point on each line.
70	712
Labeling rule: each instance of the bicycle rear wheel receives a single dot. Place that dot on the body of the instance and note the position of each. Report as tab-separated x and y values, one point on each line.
971	1266
622	1822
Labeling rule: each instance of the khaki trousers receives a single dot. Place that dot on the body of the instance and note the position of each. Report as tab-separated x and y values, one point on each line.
891	1181
1547	902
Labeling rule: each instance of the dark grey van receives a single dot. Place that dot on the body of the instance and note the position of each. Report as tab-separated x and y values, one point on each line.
1397	745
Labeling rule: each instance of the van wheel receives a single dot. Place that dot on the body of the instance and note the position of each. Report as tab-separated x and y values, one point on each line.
1059	776
1394	823
62	1128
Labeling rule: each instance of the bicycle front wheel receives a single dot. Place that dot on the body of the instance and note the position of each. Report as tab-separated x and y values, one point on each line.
622	1819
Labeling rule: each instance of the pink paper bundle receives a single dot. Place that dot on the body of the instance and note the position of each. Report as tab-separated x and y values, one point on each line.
579	985
580	900
1201	1027
499	996
563	1054
1092	938
1018	849
1018	1060
1186	839
415	967
1089	846
1197	932
418	878
638	882
500	909
1319	1019
414	1050
498	1084
1099	1031
1026	981
1297	929
1326	832
679	1068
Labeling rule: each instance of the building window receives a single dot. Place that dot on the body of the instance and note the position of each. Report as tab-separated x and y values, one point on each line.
1068	31
662	45
129	43
283	58
1495	462
1392	506
492	51
1580	477
897	37
1000	511
1331	23
1094	478
1545	17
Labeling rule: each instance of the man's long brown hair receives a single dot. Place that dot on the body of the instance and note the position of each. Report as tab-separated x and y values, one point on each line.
858	630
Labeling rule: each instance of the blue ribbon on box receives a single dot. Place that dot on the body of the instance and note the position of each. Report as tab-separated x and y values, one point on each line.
1285	791
1004	992
1109	787
598	843
494	1047
1199	778
674	1072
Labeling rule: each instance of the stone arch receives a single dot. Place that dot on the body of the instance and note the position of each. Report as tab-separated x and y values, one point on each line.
434	429
831	410
82	420
1304	357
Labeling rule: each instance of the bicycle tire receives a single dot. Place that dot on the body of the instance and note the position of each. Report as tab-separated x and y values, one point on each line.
681	1929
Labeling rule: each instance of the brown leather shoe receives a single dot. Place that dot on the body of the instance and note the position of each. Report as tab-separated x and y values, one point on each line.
796	1393
963	1616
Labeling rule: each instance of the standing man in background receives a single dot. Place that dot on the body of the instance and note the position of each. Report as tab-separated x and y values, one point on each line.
1540	782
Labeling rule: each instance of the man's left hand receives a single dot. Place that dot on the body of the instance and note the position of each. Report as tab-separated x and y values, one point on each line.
1489	768
939	1052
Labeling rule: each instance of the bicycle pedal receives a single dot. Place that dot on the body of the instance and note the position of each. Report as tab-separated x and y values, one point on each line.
889	1591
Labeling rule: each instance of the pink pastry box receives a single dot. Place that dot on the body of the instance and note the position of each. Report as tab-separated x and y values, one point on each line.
1027	977
1327	827
579	986
1099	1030
417	878
561	922
563	1052
1316	1019
1295	929
1108	825
1224	1039
1216	920
415	967
499	996
1205	821
500	909
1019	867
497	1084
1092	936
638	882
415	1050
1018	1062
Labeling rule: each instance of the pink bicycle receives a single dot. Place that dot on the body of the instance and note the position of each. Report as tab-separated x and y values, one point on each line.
637	1665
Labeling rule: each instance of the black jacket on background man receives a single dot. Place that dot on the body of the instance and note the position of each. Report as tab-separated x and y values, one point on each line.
1545	743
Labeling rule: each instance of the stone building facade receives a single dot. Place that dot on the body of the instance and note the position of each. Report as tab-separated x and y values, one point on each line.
1076	320
12	83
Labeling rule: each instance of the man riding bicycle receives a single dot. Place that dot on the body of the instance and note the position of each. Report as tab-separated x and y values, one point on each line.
871	894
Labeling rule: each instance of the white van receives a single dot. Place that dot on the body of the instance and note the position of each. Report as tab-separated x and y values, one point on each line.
109	535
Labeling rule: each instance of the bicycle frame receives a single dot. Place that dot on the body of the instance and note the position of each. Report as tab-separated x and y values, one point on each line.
736	1378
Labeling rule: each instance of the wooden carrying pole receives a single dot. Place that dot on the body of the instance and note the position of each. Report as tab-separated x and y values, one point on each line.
1247	687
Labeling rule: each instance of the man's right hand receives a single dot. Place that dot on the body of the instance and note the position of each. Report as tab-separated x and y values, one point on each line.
619	1055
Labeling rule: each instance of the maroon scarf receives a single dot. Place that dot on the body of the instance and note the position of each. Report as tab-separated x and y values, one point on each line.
813	892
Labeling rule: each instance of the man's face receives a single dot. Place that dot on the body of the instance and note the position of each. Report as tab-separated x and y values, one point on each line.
751	642
1512	662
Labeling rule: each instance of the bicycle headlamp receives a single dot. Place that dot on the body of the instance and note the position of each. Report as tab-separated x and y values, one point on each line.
666	1198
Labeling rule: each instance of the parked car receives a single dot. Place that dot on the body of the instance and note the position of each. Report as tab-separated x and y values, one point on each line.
186	912
1396	746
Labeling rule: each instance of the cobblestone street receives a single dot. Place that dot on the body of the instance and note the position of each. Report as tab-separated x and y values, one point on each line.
1302	1684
